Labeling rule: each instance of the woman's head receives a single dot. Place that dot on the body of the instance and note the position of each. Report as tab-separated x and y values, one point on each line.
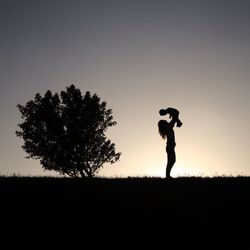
162	127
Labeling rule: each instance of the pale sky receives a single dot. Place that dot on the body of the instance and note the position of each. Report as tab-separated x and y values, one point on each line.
139	56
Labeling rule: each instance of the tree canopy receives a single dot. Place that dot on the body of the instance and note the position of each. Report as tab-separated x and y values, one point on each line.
67	132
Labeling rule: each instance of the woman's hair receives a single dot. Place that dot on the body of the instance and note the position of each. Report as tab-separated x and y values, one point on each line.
162	127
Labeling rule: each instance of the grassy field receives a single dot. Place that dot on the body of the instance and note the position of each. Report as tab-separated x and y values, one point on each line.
124	213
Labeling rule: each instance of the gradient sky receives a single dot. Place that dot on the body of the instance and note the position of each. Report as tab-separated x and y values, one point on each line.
139	56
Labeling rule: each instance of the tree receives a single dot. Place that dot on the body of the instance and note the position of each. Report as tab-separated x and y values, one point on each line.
67	132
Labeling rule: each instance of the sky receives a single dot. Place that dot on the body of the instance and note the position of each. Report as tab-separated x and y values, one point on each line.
139	56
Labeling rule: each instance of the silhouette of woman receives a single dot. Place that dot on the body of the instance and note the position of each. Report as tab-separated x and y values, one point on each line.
166	130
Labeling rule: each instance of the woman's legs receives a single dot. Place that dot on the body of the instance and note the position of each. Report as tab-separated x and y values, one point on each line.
171	160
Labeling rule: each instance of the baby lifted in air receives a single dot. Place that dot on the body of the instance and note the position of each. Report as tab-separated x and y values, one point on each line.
173	113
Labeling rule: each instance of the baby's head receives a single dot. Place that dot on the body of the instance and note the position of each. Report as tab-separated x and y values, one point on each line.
163	112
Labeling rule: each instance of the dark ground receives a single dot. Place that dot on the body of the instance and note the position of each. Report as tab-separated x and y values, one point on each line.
129	213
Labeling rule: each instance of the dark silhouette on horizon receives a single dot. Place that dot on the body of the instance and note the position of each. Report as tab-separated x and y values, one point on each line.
166	130
66	132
